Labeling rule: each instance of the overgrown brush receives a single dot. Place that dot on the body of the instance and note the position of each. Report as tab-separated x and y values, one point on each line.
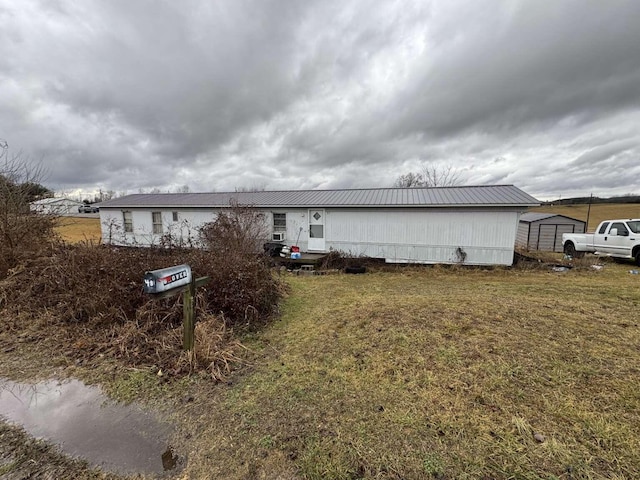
542	260
238	266
239	230
95	295
337	259
91	299
23	234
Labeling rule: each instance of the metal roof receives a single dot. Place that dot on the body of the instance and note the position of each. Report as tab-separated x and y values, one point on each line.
537	216
491	195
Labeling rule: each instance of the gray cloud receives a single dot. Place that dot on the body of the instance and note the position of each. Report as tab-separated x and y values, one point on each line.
121	95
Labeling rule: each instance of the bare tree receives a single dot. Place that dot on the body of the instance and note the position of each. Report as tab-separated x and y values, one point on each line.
430	175
23	233
256	187
407	180
103	196
151	190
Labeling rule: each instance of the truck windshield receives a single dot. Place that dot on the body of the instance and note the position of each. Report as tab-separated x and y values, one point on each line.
634	226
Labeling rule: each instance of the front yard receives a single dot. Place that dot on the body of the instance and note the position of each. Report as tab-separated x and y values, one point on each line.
411	373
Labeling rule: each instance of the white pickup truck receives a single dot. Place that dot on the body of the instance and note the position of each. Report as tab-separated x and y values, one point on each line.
615	238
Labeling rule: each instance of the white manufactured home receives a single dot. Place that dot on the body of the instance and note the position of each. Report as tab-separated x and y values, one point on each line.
55	206
475	225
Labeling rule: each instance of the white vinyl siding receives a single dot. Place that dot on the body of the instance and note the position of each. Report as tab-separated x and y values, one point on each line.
424	236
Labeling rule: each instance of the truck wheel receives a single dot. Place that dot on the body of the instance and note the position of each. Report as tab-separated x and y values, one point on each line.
570	250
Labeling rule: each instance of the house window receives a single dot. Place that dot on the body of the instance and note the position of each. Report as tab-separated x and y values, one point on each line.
128	222
175	216
156	218
279	222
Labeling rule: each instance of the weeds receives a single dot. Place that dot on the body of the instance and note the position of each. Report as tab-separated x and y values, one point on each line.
340	260
91	299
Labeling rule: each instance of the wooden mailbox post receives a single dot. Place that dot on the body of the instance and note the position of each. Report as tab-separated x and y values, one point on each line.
171	281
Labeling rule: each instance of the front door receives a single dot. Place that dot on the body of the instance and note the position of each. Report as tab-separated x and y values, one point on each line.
316	230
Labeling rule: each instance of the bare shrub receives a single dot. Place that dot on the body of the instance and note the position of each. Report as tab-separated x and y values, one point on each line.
240	228
92	301
113	229
245	289
178	236
544	260
81	282
337	259
23	234
333	260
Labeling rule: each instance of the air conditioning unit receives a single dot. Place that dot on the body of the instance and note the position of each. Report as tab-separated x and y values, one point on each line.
277	236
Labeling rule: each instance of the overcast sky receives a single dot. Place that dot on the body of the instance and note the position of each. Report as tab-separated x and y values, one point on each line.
127	95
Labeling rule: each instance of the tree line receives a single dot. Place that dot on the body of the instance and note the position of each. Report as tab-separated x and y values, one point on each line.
628	198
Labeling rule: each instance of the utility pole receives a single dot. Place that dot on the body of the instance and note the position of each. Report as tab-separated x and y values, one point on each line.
589	211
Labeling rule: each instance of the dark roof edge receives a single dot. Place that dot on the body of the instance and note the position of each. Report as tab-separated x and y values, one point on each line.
549	216
448	205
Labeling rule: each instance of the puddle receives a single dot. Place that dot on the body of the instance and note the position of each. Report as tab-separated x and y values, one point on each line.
79	419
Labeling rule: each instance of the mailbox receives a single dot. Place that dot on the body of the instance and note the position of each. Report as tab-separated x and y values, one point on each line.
166	279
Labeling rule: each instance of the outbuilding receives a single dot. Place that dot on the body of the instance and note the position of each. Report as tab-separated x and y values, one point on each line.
473	225
55	206
543	231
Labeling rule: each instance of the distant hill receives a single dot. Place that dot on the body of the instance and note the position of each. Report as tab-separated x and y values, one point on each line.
585	200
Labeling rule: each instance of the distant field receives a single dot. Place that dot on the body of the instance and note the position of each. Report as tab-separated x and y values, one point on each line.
76	229
599	212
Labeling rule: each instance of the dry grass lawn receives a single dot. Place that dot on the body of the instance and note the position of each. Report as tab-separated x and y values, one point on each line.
437	373
79	229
